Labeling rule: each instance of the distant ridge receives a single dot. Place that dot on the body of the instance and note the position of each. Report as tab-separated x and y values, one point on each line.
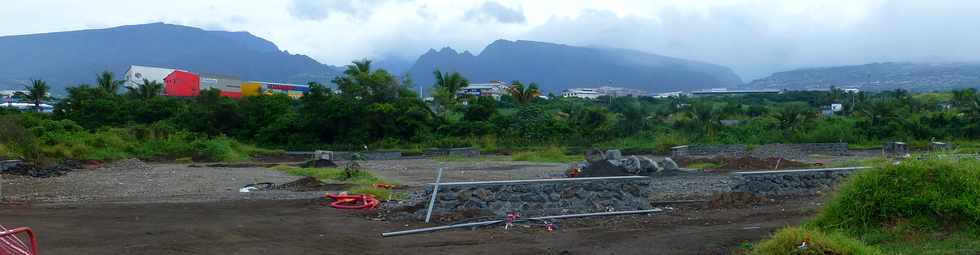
69	58
878	76
556	67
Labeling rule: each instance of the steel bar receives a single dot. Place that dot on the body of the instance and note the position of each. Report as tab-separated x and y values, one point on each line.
491	222
432	202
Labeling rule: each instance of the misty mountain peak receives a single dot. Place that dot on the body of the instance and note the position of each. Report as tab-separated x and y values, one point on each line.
558	66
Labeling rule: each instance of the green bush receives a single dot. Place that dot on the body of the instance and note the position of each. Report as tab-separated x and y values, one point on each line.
790	241
6	152
923	193
664	141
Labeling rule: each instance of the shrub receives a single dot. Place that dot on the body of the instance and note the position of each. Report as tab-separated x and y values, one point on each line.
922	194
21	142
790	241
664	141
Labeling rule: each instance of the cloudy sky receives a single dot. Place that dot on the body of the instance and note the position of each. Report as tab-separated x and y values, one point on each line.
754	37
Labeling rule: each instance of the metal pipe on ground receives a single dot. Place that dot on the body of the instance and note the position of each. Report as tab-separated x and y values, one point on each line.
435	190
491	222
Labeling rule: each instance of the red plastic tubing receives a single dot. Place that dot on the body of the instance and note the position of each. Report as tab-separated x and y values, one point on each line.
353	201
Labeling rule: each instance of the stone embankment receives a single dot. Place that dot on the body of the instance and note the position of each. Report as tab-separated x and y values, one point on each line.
535	197
790	182
798	151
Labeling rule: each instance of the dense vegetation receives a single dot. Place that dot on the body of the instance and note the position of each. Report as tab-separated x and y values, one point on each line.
374	109
916	207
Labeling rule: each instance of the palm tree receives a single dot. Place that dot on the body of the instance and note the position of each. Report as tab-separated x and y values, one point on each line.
36	93
523	95
707	116
107	82
350	83
358	67
447	85
793	116
147	90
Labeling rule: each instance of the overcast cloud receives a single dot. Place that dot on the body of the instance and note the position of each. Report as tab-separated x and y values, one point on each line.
754	37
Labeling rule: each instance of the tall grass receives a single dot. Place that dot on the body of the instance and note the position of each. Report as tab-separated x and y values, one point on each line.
791	241
64	140
927	206
924	193
550	154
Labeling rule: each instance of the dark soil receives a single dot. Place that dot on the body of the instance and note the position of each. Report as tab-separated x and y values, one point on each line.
736	200
742	163
301	185
320	163
303	227
312	184
282	158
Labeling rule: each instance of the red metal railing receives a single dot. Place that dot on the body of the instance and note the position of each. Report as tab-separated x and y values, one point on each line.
10	244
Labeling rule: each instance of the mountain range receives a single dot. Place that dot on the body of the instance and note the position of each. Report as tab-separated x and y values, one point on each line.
70	58
877	76
556	67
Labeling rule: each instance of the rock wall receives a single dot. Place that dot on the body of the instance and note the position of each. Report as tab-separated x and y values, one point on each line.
690	187
799	151
460	152
788	151
538	197
695	150
790	182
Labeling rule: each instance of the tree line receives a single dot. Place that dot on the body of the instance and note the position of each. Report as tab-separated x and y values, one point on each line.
369	107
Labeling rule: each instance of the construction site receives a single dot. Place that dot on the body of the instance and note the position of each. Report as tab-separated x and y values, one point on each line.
699	200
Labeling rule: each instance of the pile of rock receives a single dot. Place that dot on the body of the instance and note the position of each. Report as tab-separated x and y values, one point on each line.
42	172
613	163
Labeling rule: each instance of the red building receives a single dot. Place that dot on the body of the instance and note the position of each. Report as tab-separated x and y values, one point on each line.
182	84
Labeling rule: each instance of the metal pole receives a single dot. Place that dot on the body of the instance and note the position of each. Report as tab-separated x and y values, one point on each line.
491	222
423	230
432	201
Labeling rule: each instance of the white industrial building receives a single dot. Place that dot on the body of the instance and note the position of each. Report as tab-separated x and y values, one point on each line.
621	92
136	74
674	94
493	89
586	93
593	93
727	92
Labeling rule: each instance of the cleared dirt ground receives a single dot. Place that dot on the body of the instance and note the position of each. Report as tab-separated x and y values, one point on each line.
176	209
304	227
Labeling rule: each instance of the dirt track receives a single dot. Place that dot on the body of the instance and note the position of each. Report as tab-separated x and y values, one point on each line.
303	227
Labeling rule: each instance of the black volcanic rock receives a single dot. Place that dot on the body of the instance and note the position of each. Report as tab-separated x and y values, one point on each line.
878	76
70	58
556	67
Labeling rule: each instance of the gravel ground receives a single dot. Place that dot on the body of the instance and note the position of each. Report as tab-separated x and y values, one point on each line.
132	181
416	172
135	182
